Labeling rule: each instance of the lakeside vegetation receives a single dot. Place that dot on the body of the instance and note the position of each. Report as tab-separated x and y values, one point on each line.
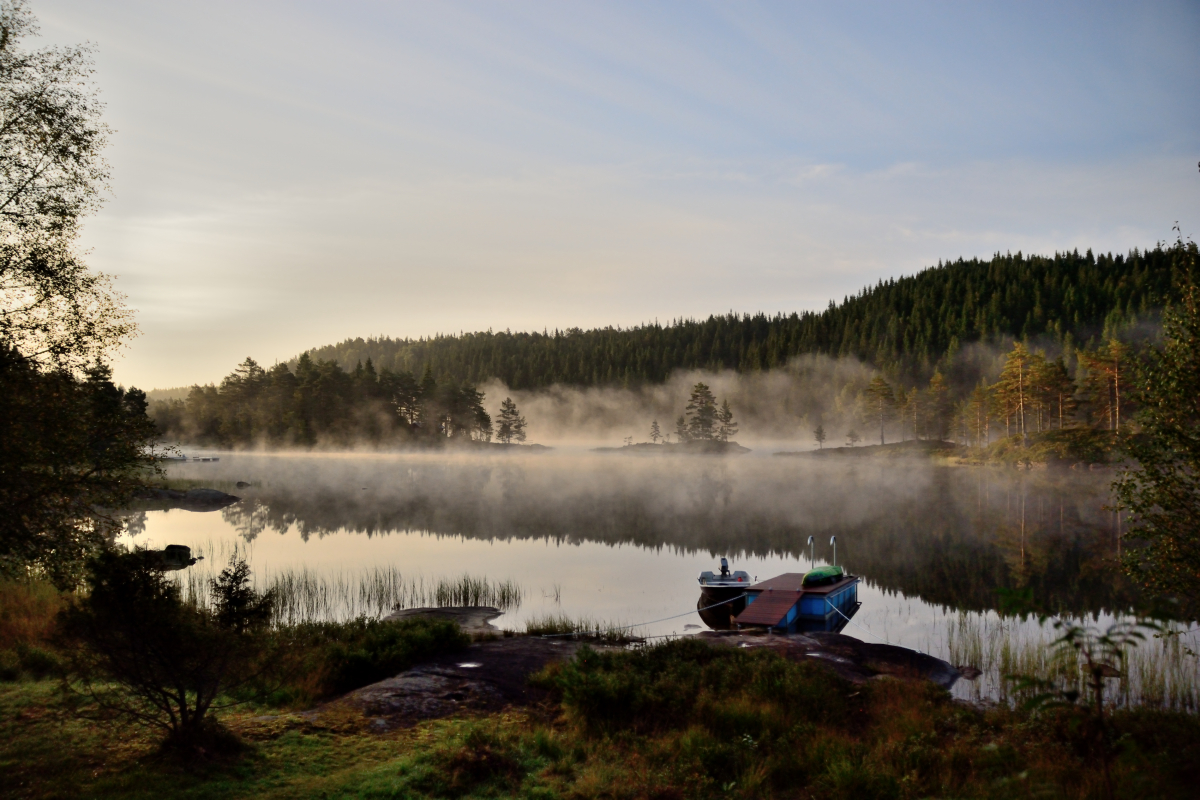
965	351
678	720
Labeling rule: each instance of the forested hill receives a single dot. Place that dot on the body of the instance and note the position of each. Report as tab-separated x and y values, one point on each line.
904	326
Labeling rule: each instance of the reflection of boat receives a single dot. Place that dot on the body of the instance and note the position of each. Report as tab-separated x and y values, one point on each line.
822	599
173	557
718	588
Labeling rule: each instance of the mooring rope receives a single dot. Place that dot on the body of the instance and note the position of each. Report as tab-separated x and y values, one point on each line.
868	630
651	622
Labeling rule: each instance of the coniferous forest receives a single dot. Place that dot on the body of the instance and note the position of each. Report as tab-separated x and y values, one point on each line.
1089	312
905	326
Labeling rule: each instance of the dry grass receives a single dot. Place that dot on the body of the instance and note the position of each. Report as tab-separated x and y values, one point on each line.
27	609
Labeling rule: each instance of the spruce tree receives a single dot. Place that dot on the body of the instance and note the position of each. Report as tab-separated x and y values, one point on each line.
655	432
819	435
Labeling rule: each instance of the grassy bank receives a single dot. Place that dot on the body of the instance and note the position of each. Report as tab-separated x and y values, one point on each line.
673	721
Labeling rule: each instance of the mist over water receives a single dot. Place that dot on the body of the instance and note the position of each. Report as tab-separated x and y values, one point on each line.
621	538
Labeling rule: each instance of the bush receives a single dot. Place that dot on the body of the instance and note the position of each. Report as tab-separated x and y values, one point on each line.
331	658
138	652
688	682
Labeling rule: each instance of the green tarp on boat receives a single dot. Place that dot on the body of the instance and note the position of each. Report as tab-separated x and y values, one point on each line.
822	576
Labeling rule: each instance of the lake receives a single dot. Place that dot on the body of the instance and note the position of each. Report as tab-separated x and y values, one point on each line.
621	539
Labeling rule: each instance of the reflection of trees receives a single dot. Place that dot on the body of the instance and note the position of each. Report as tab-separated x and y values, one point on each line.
951	536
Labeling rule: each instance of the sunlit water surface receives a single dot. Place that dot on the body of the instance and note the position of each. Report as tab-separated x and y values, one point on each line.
621	539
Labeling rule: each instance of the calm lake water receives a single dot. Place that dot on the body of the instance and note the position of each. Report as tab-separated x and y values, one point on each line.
622	538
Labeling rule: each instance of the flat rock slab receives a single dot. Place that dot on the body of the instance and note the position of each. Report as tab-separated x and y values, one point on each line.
852	659
471	619
484	677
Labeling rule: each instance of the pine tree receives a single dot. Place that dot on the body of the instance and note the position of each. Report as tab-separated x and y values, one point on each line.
655	432
978	416
819	435
511	425
1106	369
852	437
1060	391
939	407
882	401
701	413
1013	388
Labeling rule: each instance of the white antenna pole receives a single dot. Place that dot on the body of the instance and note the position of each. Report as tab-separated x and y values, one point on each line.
812	553
833	541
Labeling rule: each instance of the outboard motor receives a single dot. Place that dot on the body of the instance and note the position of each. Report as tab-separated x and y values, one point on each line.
724	567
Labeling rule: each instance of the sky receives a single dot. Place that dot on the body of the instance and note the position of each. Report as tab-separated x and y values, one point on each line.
288	175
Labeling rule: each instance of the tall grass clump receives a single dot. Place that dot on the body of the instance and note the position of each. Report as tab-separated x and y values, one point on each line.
582	628
307	596
1160	672
27	610
304	595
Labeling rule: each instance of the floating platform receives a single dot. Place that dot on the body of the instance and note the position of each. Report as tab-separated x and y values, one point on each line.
822	599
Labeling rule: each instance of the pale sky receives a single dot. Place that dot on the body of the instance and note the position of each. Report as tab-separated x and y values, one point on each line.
287	175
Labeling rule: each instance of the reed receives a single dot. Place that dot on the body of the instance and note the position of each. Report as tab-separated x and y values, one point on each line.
1160	673
305	595
582	628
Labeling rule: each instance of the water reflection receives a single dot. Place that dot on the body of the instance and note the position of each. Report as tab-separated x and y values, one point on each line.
951	536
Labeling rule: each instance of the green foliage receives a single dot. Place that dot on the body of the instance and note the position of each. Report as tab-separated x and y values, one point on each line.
903	740
1162	491
511	425
687	682
137	652
322	403
70	442
69	449
904	326
1101	656
331	658
54	311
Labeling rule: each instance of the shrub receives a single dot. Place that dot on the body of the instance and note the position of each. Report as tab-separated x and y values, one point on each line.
730	692
330	658
138	652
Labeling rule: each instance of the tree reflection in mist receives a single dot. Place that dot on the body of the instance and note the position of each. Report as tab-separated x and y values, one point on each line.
950	535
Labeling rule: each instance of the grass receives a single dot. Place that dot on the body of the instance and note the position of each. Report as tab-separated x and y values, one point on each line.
581	628
1159	673
27	609
672	721
325	659
305	595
